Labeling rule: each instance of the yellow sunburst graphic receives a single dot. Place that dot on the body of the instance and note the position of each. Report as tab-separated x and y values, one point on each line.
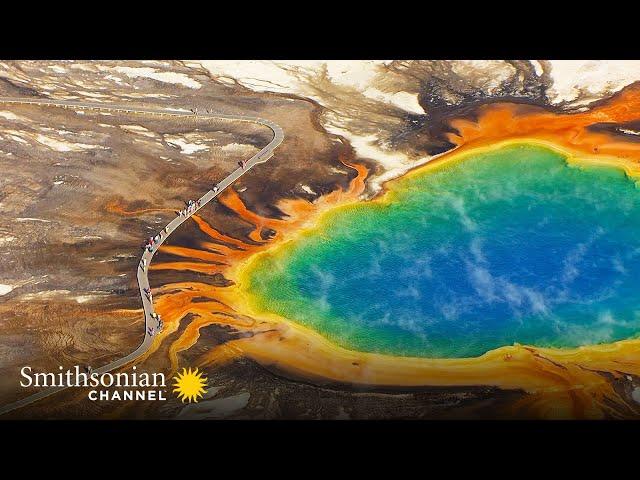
190	385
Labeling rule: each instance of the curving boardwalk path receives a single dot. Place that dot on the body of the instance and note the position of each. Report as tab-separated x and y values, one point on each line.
143	280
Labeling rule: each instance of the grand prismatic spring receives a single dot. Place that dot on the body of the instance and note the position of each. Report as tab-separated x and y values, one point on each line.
510	246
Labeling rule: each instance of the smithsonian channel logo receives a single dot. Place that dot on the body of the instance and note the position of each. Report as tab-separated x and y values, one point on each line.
188	385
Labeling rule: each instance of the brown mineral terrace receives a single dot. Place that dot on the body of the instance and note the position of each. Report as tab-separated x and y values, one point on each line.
143	282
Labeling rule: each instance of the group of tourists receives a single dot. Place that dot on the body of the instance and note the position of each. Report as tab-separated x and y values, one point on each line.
159	324
190	208
152	241
195	110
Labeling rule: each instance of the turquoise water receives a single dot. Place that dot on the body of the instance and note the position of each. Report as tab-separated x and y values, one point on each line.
507	246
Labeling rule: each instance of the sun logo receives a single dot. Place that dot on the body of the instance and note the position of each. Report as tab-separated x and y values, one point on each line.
190	385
